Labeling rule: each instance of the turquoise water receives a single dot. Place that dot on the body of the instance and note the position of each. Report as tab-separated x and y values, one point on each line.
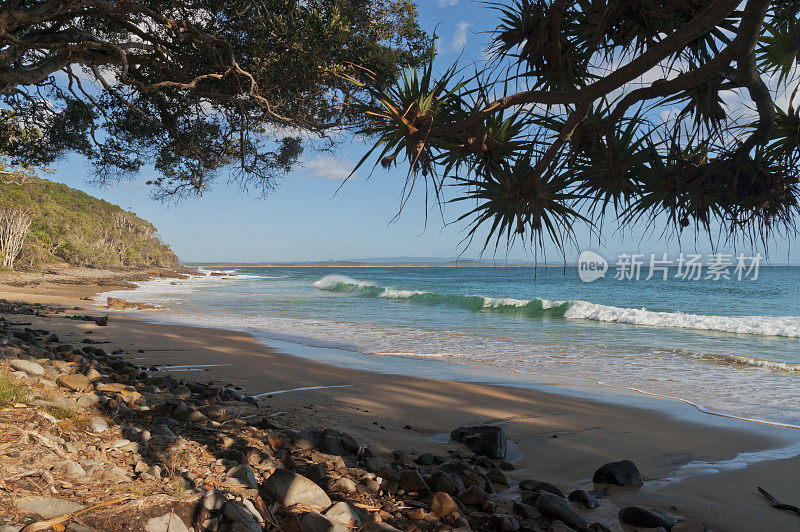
730	347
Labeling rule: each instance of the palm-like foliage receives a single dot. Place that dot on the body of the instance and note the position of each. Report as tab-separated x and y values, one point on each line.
585	136
401	116
513	200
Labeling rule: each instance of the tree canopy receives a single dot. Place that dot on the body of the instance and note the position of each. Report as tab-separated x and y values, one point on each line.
589	110
191	86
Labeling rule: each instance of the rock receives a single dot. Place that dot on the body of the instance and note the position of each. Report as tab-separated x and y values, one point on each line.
373	526
128	393
441	481
483	440
504	523
498	477
529	525
411	480
337	443
316	472
442	504
622	473
636	516
425	459
526	511
114	303
73	470
290	488
31	368
184	412
535	485
92	374
213	500
473	496
308	438
314	522
239	513
210	525
690	526
74	381
556	507
102	321
244	474
344	514
375	464
344	485
166	523
585	498
98	424
46	507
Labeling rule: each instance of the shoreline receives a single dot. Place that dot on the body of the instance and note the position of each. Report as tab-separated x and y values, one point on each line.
624	431
467	370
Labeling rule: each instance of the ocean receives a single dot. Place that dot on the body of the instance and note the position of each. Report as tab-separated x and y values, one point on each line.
729	347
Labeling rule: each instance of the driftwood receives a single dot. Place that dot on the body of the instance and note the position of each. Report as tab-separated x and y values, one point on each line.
52	523
779	505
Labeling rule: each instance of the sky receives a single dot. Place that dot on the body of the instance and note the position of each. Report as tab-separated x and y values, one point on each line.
312	216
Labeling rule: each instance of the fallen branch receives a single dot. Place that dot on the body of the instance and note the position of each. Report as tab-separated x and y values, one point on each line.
30	473
779	505
45	442
51	523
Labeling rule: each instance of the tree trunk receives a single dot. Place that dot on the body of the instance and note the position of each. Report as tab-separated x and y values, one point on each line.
14	225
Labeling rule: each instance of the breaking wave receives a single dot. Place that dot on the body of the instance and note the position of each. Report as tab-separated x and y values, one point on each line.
787	326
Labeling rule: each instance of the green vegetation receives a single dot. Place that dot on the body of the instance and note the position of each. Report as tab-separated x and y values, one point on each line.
73	227
677	115
193	88
11	392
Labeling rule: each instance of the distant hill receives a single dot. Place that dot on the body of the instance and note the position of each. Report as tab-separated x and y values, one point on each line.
73	227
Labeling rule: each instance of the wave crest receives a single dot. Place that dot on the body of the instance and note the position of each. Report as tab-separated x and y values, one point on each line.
788	326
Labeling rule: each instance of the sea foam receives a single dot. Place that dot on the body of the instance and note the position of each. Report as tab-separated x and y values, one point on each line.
788	326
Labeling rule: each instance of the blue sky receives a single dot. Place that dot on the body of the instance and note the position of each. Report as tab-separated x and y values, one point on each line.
305	219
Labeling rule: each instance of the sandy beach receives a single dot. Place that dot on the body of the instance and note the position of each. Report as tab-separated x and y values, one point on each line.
560	438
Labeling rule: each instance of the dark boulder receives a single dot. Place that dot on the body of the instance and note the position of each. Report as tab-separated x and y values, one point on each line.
636	516
585	498
487	440
622	473
338	443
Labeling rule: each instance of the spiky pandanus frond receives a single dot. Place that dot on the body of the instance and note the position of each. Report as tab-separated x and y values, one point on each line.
596	80
779	50
633	25
402	115
667	187
513	199
784	142
550	43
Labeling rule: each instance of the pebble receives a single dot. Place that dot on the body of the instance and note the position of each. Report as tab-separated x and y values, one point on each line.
98	424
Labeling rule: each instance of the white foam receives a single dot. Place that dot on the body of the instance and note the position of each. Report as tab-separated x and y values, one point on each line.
391	293
740	461
331	281
494	302
761	325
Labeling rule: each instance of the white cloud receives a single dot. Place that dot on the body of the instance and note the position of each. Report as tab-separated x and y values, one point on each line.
447	3
460	36
328	167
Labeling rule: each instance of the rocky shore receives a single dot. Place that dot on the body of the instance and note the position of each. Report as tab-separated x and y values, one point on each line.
90	441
